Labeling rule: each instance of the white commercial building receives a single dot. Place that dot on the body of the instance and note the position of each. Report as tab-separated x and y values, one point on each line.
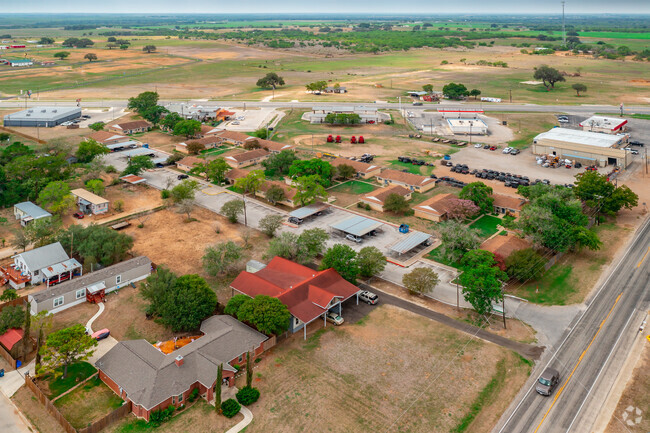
467	126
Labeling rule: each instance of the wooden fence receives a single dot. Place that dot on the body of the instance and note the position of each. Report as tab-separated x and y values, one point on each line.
49	406
18	301
7	356
109	419
20	134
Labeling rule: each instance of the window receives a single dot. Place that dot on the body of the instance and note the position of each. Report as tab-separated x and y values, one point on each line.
58	301
35	272
80	293
118	279
180	397
173	399
241	358
296	321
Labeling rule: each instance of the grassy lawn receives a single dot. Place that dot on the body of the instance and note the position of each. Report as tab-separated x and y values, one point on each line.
88	403
396	394
641	116
487	225
437	255
554	288
354	187
76	373
215	151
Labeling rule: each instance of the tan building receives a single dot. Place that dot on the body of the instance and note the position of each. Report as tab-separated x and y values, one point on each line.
589	148
414	182
607	125
271	146
507	204
289	192
90	203
232	137
504	246
236	173
363	169
107	137
186	164
436	208
131	127
376	199
245	159
208	142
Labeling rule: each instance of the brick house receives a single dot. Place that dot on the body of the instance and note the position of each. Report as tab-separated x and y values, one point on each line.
435	208
152	380
362	169
234	174
414	182
187	163
245	159
376	199
107	137
271	146
289	192
232	137
308	294
507	204
208	142
131	127
504	246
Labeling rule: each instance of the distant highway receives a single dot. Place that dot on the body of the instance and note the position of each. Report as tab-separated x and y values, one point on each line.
571	109
593	353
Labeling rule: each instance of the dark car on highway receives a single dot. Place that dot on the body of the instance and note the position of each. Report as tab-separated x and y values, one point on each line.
547	381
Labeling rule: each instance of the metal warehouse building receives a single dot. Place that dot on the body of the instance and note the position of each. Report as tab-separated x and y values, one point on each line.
42	116
590	148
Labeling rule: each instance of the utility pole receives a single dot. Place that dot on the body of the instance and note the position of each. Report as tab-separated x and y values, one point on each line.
243	195
563	27
511	96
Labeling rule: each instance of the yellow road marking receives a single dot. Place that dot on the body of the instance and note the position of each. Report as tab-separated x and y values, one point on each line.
646	253
559	392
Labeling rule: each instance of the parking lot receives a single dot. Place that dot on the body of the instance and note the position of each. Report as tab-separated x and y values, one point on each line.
252	119
424	121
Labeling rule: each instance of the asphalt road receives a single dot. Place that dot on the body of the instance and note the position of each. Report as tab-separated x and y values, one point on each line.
592	354
571	109
11	421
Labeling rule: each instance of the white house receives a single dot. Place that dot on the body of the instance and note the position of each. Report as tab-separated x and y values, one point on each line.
27	212
49	264
90	203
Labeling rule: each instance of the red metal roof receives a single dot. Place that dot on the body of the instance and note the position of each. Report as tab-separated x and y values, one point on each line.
11	337
306	293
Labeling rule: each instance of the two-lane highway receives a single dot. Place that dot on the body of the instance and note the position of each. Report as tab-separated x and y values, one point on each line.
591	355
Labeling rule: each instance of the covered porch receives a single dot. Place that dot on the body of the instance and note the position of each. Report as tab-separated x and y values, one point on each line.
61	272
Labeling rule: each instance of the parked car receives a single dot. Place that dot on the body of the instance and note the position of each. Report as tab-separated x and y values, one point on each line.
487	146
368	297
294	220
182	176
101	334
334	318
78	215
515	152
478	145
547	381
493	148
507	150
354	238
636	143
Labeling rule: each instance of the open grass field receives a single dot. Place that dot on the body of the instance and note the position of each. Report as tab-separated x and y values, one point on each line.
400	391
354	187
88	403
486	225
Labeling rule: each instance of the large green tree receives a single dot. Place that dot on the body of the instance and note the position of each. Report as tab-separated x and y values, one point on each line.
303	248
270	223
89	149
371	261
269	315
191	301
43	231
279	163
137	164
143	101
455	91
187	127
232	209
597	192
270	80
234	303
458	239
11	317
216	169
420	281
186	190
344	261
157	288
251	183
481	280
309	167
65	347
96	244
396	203
56	197
309	189
525	265
480	194
548	75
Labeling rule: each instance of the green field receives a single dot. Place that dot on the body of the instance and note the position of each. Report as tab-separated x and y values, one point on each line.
486	225
354	187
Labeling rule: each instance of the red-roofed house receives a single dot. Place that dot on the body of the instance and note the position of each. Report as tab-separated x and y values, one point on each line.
308	294
9	341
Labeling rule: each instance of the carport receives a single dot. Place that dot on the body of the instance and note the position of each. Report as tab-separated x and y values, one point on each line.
116	147
307	211
139	151
358	226
409	242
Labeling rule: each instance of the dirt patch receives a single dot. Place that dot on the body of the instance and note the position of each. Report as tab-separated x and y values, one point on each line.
632	414
88	403
35	412
395	394
79	314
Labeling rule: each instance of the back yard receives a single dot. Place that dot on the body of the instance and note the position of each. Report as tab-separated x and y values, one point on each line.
370	377
88	403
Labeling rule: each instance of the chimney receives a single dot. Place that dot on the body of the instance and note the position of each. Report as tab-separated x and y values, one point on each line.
179	360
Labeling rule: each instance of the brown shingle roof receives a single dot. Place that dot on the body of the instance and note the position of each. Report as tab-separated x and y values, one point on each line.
133	125
247	156
273	146
289	191
233	135
509	202
237	173
206	141
380	195
208	129
101	136
360	167
505	245
407	178
437	205
190	161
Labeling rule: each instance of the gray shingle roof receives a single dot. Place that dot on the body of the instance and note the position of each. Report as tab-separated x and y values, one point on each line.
89	279
149	377
43	257
32	210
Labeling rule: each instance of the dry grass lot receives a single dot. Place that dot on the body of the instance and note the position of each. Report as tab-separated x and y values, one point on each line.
636	396
35	412
360	378
88	403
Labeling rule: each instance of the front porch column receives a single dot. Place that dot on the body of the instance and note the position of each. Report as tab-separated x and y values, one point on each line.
357	298
304	331
324	320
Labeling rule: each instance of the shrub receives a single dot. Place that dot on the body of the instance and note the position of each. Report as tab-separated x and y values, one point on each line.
193	395
118	205
230	408
111	169
248	395
165	193
158	417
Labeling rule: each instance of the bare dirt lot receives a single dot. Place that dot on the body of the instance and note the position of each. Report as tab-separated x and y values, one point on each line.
35	412
361	376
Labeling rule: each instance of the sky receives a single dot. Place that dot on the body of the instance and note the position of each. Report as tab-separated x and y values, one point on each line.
331	6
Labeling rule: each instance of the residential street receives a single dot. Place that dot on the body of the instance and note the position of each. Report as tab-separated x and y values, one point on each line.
591	356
